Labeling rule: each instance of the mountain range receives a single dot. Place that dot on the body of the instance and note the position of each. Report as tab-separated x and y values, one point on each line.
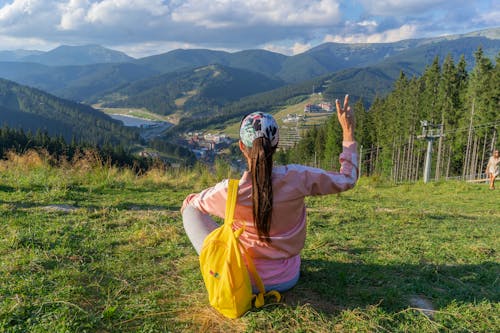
87	73
196	82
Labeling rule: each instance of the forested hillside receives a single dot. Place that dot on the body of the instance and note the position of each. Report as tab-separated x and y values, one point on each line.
30	118
32	109
77	83
268	101
200	90
462	113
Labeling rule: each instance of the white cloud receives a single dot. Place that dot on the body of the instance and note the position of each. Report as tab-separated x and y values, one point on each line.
111	12
406	31
28	18
288	49
300	48
139	50
19	10
283	49
367	23
491	18
231	13
402	7
288	27
73	14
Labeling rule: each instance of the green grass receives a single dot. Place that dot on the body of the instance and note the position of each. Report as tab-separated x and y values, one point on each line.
119	261
134	112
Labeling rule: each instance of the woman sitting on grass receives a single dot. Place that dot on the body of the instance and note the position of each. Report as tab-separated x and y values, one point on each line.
271	199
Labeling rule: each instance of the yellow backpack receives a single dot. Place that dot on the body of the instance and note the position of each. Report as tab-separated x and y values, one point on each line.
223	268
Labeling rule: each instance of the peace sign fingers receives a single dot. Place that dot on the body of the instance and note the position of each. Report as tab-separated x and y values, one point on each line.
345	116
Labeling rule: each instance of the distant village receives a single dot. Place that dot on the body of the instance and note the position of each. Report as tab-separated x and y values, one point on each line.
318	107
206	146
321	107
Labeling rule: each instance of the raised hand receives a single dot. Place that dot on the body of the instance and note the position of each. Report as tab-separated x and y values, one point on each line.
345	116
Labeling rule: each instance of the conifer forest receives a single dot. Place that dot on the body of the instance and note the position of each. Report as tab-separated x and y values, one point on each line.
451	111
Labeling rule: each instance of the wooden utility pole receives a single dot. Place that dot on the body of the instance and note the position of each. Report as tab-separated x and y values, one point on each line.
417	165
430	132
473	162
481	165
360	163
371	165
449	162
493	140
398	159
392	159
410	157
469	142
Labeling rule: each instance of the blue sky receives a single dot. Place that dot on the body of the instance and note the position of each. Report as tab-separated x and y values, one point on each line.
146	27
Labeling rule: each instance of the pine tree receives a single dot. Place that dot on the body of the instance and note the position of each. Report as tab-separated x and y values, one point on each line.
333	143
480	91
430	102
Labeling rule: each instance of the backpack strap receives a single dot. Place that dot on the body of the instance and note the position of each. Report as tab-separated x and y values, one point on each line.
232	195
259	298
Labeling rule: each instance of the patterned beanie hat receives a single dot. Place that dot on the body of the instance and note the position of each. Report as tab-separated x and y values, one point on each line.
258	125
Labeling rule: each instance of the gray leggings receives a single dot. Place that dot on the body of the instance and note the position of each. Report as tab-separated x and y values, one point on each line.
199	225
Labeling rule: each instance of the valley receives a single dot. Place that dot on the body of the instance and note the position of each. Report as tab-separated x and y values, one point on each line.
150	124
164	97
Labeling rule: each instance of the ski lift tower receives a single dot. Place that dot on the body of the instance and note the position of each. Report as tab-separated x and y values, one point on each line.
430	132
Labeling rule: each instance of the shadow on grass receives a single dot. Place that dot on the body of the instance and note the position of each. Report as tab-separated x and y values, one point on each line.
331	287
142	206
65	208
5	188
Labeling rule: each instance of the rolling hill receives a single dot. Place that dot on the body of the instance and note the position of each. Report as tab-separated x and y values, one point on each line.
66	55
194	91
77	83
261	61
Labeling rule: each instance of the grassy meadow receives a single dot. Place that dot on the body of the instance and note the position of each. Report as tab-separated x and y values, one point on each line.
89	248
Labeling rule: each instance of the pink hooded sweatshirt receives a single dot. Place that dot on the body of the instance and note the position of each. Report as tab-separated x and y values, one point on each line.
279	261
